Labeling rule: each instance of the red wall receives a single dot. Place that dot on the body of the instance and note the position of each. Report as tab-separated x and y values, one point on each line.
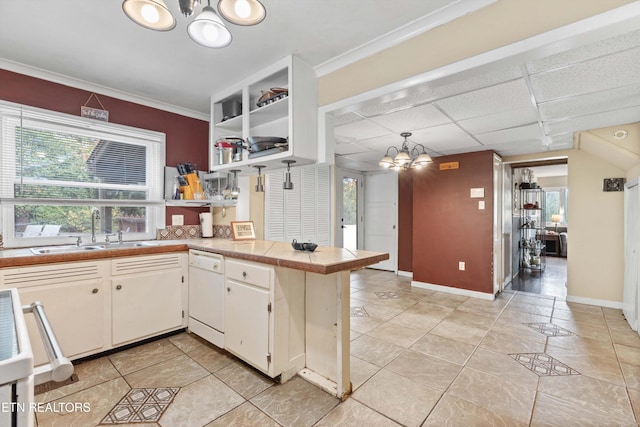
448	227
405	220
186	138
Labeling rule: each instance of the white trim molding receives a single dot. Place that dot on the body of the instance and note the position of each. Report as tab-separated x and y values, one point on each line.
448	13
62	79
455	291
596	302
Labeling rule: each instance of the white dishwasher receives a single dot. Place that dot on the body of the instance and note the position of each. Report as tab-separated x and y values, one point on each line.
206	296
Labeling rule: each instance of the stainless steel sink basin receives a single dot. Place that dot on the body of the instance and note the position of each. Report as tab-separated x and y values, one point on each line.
63	249
124	245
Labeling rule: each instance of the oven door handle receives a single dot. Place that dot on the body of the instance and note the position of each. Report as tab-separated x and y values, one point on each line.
59	367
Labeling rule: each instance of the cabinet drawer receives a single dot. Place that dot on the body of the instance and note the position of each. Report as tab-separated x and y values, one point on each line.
248	272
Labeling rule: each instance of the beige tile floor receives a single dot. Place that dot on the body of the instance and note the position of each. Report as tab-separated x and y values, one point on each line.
418	358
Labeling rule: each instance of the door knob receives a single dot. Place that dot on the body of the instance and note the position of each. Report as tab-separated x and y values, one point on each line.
94	291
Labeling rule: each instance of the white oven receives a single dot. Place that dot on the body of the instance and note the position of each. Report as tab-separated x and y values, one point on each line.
17	374
206	296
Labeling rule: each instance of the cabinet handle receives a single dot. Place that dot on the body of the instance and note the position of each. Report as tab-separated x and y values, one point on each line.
244	274
228	289
118	287
215	266
94	291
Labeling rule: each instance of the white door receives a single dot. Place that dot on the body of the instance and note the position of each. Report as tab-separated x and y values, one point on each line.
381	217
631	253
349	209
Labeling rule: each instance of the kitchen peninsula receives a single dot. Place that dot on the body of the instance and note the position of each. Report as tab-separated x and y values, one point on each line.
308	306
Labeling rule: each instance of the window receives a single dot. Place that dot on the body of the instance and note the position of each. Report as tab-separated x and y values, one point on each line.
57	169
556	204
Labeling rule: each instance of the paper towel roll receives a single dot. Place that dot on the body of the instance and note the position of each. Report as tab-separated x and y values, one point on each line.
206	224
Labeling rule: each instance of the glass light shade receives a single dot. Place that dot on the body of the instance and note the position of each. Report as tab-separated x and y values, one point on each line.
402	158
242	12
556	218
422	160
209	30
151	14
386	162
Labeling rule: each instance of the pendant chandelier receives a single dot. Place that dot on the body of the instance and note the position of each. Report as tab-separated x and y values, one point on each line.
208	28
405	158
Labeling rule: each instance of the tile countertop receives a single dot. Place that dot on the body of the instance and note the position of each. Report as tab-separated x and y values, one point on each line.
325	259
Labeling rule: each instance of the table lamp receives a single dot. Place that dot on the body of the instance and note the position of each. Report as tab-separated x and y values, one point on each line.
555	219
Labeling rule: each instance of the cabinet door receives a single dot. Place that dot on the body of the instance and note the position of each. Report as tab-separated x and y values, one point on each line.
145	304
247	323
76	313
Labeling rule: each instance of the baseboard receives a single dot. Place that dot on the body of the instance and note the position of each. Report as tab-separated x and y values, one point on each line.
450	290
597	302
405	274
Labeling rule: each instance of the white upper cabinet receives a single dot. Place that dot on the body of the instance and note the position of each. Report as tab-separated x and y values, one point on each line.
292	116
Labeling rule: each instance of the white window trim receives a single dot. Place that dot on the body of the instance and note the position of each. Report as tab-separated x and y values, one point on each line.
563	208
91	128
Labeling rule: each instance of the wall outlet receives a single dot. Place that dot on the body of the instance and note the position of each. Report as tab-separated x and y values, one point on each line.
461	265
481	204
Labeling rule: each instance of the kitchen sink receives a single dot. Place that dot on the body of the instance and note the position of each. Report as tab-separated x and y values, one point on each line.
124	245
63	249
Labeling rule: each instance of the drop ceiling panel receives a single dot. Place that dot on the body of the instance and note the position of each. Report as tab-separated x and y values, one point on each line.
345	119
591	103
367	156
350	148
609	72
363	129
382	142
584	53
412	118
521	133
610	118
508	96
443	137
504	120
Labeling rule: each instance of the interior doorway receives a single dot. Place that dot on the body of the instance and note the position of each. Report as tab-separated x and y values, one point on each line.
550	183
349	208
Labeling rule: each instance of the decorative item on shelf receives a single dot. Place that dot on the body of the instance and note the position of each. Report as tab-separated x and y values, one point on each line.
259	185
272	95
287	184
529	206
231	108
207	29
556	218
405	159
306	247
243	230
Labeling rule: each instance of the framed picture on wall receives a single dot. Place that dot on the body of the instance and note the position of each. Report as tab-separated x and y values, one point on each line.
613	184
243	230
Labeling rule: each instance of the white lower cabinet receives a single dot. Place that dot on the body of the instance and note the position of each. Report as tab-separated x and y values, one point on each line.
264	316
74	296
146	296
94	306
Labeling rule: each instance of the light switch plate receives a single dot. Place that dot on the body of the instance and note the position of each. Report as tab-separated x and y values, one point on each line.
177	219
480	204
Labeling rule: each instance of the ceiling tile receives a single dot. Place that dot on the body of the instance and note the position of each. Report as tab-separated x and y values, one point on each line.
411	119
443	137
508	96
521	133
504	120
346	118
363	129
584	53
609	72
591	103
592	121
343	149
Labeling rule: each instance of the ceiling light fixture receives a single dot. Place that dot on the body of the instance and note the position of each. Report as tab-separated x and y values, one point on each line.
405	158
242	12
287	184
259	185
151	14
208	29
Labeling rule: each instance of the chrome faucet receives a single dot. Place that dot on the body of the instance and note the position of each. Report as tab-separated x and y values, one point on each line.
95	214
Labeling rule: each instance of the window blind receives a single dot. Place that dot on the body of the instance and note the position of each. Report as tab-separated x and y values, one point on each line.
57	168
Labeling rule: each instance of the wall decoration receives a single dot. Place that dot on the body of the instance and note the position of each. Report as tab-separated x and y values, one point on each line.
613	184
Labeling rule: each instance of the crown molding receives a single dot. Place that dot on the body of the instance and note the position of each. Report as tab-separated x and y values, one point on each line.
421	25
102	90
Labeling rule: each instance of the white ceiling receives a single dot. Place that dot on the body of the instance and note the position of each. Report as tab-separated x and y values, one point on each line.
515	108
94	41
